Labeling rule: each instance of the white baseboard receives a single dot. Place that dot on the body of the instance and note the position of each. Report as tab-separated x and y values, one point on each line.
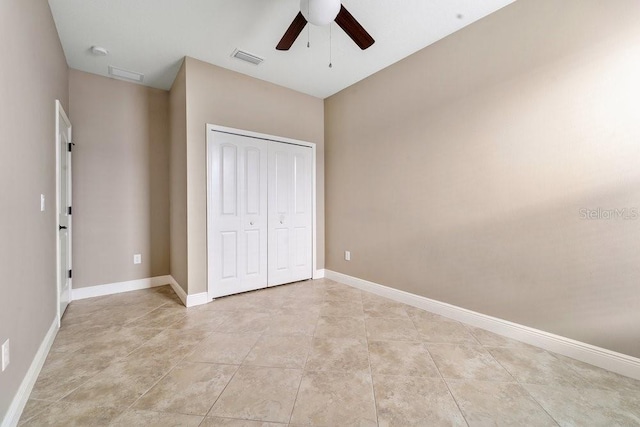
319	274
188	300
607	359
19	401
116	288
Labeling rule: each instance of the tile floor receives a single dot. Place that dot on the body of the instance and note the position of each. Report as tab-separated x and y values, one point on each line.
311	353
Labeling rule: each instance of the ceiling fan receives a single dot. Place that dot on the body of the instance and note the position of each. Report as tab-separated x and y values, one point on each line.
323	12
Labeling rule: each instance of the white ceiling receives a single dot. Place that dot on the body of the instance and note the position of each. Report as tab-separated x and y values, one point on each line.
152	37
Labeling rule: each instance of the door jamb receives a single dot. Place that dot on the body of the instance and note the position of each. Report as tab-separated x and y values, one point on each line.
61	113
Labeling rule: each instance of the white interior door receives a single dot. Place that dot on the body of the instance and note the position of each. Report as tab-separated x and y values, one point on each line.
290	217
63	207
237	214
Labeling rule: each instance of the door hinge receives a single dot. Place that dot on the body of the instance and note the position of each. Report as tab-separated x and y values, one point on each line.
70	274
69	210
69	146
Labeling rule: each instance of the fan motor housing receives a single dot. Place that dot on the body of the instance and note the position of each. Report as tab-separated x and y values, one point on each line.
320	12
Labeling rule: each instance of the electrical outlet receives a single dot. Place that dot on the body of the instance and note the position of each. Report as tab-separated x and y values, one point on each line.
347	255
5	355
137	258
42	203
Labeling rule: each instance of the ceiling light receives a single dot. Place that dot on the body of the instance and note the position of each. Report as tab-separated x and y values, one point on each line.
320	12
126	75
99	51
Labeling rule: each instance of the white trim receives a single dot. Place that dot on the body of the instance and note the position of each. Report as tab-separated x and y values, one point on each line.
607	359
188	300
21	397
178	290
319	274
281	139
119	287
198	299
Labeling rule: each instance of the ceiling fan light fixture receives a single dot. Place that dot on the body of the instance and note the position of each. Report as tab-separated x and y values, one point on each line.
320	12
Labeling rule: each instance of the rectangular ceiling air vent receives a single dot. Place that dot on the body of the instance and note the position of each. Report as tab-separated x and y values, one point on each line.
247	57
119	73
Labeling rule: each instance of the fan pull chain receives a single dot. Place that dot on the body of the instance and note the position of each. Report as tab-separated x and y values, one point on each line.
308	29
330	62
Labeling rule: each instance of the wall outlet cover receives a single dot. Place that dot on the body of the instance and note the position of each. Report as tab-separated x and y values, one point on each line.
137	258
347	255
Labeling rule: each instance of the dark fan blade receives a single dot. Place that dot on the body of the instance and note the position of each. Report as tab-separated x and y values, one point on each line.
353	29
292	33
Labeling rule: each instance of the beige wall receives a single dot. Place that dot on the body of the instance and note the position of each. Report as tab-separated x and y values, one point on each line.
178	178
459	173
33	74
120	179
222	97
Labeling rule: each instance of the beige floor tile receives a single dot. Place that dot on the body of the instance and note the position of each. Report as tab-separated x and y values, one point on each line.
200	319
502	404
489	339
536	366
338	354
115	351
448	331
464	361
64	414
262	394
280	351
588	407
415	401
140	418
308	306
342	293
291	324
230	422
401	358
381	329
33	408
382	307
256	301
224	348
424	315
161	317
171	345
64	372
335	399
340	327
342	309
119	341
190	388
122	383
246	322
601	378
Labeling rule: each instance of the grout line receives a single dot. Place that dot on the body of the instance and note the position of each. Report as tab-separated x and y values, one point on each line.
260	335
442	377
373	388
523	387
293	407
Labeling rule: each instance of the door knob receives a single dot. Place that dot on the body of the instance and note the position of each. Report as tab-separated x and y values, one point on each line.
62	227
251	223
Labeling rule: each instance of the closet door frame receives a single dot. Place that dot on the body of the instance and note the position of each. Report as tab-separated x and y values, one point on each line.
211	129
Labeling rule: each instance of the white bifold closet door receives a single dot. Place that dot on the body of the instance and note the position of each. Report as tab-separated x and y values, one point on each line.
259	213
237	229
290	228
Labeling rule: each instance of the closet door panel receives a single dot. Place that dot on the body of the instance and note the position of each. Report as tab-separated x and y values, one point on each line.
237	214
289	213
